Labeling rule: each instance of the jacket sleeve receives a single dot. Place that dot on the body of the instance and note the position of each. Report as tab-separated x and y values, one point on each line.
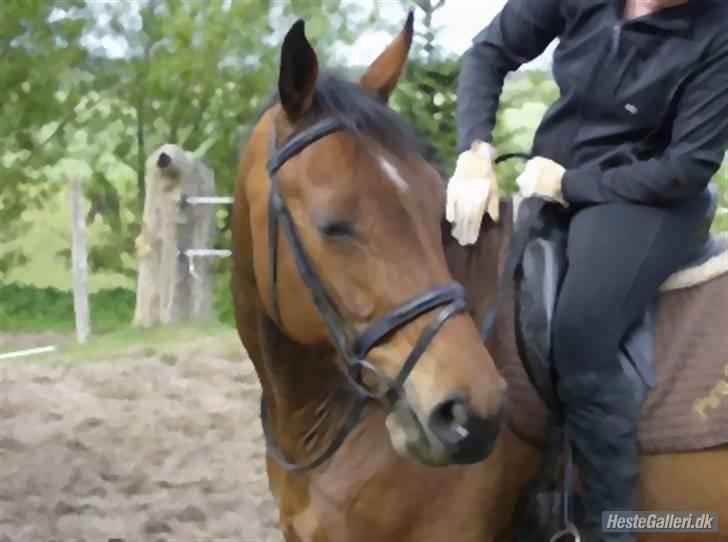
518	34
698	142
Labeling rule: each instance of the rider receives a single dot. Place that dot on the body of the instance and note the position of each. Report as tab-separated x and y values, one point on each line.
629	147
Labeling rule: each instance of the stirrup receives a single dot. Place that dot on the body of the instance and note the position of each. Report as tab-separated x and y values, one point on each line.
569	529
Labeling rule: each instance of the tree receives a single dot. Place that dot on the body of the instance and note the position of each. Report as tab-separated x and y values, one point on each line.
429	7
134	76
36	106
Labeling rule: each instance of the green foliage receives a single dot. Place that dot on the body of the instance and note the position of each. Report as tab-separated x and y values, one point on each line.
222	301
721	179
27	308
36	105
426	98
192	73
525	98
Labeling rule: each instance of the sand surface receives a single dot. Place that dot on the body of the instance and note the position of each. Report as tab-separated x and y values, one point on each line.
156	446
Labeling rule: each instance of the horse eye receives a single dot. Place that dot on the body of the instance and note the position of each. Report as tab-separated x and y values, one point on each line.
337	228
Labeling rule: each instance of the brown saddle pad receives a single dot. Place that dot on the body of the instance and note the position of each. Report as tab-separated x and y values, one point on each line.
687	409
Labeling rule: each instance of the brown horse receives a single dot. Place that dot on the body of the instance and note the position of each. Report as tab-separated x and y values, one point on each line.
338	227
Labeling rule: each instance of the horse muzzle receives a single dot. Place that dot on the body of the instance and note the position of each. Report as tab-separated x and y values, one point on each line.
452	434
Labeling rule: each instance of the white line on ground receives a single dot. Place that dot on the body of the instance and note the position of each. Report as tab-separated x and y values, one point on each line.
28	352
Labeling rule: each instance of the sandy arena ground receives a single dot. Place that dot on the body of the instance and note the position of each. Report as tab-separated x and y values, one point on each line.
155	446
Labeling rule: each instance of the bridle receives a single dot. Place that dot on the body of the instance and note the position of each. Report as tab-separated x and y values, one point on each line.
351	346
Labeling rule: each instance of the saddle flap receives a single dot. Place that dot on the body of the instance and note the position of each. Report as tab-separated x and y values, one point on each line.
542	270
543	267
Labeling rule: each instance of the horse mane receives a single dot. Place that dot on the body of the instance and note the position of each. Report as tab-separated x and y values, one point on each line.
359	112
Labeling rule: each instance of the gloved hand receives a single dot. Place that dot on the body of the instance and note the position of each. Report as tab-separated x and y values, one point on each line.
471	192
542	177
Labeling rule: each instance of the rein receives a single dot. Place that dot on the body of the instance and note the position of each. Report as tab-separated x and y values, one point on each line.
528	216
516	247
352	346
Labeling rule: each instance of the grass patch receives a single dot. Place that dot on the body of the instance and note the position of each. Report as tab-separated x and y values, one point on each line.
129	341
29	308
222	302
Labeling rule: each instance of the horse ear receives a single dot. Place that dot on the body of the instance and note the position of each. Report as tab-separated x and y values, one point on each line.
298	73
382	75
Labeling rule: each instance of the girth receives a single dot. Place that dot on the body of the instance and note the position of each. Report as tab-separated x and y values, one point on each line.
351	346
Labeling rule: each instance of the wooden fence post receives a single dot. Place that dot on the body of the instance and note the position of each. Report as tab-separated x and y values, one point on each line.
171	287
196	231
79	266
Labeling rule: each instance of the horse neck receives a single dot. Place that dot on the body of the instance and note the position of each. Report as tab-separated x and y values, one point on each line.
307	388
477	266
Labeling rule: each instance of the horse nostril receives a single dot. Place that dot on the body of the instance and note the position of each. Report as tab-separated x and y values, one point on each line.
164	160
467	437
449	419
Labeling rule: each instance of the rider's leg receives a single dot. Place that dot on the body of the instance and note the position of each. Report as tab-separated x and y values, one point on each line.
619	254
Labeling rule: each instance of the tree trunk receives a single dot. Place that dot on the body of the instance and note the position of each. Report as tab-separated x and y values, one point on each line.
140	149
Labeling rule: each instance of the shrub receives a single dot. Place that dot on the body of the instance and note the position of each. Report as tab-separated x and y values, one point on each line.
28	308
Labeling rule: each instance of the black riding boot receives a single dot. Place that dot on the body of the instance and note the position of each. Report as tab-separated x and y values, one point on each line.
600	412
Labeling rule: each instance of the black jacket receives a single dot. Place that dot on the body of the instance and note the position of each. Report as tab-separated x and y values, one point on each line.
643	108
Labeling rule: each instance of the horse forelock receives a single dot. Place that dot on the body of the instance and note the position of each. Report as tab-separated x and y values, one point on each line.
359	113
364	116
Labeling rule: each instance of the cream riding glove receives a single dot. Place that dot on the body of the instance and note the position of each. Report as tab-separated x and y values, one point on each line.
542	177
471	192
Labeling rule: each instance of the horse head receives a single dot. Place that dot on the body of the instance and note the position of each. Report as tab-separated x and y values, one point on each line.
366	209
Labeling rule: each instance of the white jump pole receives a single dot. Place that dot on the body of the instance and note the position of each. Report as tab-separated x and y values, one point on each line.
194	252
208	200
28	352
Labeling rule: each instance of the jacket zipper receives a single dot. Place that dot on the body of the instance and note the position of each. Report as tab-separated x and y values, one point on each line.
616	35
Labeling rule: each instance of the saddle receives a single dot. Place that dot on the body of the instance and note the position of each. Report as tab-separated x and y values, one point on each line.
543	266
668	423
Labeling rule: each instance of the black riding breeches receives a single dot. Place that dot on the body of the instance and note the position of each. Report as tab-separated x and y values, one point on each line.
619	254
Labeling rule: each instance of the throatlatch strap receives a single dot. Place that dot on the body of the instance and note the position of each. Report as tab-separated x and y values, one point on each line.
351	418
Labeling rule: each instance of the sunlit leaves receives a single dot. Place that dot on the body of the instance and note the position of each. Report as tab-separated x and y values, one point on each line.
85	83
40	43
